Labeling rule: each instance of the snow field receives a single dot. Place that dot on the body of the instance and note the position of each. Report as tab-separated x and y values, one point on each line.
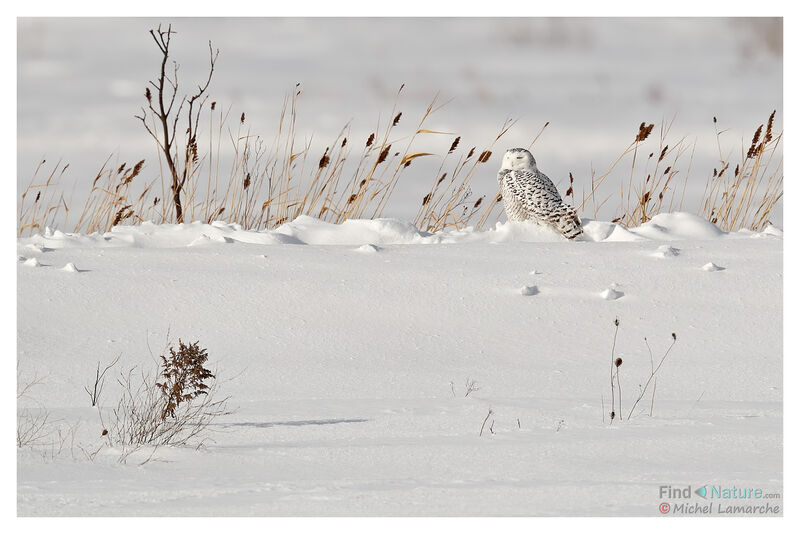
347	351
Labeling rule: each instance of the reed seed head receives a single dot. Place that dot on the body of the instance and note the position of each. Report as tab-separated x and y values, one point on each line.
756	137
768	135
644	132
384	153
397	119
454	145
484	157
324	160
370	139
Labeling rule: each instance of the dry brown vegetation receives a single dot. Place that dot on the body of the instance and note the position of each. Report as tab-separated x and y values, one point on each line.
173	407
742	198
270	182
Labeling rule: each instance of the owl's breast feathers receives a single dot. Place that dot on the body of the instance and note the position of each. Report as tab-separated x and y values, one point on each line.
528	187
530	195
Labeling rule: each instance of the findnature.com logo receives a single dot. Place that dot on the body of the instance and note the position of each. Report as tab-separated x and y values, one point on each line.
716	500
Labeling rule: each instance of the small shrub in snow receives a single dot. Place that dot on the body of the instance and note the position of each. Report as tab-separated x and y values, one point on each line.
183	376
174	407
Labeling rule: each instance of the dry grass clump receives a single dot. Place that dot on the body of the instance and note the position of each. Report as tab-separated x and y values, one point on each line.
269	184
743	198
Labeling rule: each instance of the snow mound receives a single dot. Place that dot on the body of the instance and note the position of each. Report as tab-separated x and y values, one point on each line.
529	290
351	232
772	230
306	230
611	294
36	247
712	267
678	225
368	249
70	268
503	232
32	262
666	251
607	231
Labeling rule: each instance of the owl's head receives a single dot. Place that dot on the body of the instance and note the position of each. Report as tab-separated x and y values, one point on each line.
518	159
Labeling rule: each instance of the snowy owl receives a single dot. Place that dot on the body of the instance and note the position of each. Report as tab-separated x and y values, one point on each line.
529	195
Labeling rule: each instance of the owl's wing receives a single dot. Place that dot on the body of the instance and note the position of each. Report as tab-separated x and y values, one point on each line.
531	188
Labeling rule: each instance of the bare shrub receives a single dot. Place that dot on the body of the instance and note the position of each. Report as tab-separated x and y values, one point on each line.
164	129
96	389
32	427
32	423
173	407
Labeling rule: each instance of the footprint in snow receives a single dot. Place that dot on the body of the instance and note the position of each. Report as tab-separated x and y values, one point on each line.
666	251
612	294
712	267
368	249
529	290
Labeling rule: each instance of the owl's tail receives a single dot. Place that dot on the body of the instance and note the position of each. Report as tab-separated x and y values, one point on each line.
566	221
